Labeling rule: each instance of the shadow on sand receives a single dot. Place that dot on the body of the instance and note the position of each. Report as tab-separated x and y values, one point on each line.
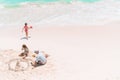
25	38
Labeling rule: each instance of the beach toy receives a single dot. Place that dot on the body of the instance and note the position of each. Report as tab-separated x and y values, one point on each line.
30	26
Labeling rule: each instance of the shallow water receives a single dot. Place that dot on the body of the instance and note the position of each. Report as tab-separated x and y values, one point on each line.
80	13
18	3
42	1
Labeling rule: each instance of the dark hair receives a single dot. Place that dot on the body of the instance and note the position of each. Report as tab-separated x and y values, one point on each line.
36	51
24	46
25	23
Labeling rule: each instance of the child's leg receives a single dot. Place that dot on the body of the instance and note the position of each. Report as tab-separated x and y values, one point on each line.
26	32
21	54
34	63
25	55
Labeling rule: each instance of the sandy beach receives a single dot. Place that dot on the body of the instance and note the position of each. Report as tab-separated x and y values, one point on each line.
79	53
82	40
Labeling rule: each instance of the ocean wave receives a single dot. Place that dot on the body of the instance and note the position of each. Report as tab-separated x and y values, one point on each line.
19	3
57	13
42	3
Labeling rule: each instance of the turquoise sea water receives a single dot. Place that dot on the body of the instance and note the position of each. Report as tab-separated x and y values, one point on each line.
15	2
44	1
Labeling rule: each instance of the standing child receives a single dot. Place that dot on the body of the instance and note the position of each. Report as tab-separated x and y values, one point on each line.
25	28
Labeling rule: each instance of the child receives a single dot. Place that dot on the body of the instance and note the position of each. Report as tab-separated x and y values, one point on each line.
25	52
40	58
25	28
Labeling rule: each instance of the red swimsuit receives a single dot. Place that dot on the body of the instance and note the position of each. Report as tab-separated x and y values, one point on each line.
26	28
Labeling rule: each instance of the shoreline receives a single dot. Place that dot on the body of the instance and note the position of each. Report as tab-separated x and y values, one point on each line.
82	40
62	14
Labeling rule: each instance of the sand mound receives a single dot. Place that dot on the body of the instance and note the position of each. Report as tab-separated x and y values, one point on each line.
45	72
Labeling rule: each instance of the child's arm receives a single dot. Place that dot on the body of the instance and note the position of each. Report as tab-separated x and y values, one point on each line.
30	27
33	55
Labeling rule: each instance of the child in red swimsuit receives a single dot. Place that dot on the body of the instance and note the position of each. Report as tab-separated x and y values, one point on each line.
25	28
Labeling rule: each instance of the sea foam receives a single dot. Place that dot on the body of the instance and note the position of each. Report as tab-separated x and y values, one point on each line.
80	13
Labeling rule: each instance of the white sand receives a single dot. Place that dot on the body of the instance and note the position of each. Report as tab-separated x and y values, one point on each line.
82	40
79	53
